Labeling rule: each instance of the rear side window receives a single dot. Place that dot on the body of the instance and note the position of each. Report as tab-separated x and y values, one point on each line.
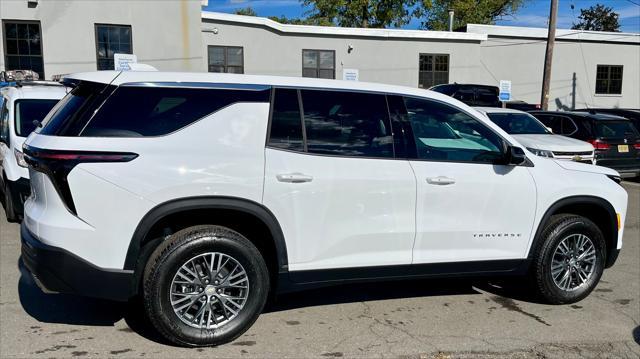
155	111
347	124
286	123
28	111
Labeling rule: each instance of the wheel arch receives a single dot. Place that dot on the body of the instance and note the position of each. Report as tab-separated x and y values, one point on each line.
143	242
597	209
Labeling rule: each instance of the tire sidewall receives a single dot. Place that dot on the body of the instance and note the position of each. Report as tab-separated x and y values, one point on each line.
561	231
199	243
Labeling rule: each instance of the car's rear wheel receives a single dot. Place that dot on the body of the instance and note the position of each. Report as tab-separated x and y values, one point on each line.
205	285
9	208
569	260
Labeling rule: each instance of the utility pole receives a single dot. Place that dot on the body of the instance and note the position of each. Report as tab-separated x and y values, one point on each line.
548	56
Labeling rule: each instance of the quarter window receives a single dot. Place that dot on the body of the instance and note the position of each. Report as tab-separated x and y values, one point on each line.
444	133
286	123
26	112
433	70
609	79
23	46
228	59
112	39
347	124
319	64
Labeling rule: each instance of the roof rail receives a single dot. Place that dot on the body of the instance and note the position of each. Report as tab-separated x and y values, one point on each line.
37	83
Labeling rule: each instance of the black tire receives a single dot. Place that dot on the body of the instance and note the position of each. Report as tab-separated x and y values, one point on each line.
561	227
9	208
177	250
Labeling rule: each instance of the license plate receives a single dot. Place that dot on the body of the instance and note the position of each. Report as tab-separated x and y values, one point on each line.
623	148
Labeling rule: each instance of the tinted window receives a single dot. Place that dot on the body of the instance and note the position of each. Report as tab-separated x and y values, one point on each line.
286	123
552	122
568	127
518	123
4	122
28	111
155	111
444	133
347	124
615	129
71	114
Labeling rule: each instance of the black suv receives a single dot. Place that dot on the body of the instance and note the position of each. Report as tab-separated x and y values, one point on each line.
615	139
629	113
481	96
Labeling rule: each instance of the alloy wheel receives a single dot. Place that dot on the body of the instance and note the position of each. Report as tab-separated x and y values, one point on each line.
573	262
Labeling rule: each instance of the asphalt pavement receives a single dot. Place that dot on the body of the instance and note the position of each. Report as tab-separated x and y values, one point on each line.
408	319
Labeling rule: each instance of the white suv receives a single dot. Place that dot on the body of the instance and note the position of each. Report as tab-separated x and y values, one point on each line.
204	193
20	106
537	138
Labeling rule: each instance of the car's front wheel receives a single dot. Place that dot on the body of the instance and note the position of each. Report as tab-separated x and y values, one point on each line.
569	259
205	285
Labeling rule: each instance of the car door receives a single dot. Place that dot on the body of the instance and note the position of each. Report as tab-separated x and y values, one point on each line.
332	182
468	207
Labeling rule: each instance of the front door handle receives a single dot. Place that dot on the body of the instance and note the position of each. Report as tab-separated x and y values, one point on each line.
294	178
440	180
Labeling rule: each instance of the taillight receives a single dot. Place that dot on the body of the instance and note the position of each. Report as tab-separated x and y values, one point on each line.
636	146
57	164
599	145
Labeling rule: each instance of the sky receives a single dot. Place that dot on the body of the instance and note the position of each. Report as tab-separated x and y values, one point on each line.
533	14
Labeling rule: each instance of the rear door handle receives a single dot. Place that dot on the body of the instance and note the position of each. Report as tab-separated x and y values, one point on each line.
294	178
440	180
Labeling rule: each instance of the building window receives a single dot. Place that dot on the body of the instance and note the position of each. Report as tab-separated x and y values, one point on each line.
23	46
319	64
229	59
112	39
434	70
609	80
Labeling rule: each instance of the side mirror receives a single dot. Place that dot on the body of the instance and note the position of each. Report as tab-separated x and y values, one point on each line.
515	156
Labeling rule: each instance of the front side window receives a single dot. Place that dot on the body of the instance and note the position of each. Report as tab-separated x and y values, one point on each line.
433	70
23	46
347	124
609	79
229	59
28	111
112	39
319	64
518	123
444	133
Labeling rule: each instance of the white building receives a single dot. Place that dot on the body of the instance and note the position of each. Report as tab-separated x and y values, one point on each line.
594	69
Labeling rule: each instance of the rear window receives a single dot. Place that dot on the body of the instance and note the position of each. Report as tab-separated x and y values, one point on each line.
133	111
28	111
615	129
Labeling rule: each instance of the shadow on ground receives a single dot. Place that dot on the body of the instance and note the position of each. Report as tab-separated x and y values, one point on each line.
75	310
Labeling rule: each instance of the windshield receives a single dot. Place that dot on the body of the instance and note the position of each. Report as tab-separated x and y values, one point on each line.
518	123
28	111
615	129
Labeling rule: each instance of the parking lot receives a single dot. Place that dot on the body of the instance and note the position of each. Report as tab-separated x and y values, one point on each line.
422	319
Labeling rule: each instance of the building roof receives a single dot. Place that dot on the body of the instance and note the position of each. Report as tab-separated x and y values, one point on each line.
561	34
338	31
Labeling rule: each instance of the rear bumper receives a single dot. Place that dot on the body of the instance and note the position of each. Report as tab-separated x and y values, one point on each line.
60	271
19	191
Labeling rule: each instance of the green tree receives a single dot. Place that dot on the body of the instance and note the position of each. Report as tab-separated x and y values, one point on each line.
436	12
362	13
248	11
598	18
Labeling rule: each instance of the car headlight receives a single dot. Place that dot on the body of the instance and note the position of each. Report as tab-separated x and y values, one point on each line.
20	158
541	153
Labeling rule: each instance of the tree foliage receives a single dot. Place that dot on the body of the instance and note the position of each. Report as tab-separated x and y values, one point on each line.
598	18
363	13
435	13
248	11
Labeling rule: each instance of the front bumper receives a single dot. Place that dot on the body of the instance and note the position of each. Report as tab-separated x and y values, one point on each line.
60	271
19	191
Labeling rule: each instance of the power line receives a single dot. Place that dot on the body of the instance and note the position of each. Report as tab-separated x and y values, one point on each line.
634	3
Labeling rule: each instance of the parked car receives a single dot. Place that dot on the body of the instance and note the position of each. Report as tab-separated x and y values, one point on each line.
615	139
471	94
21	105
632	114
204	193
532	134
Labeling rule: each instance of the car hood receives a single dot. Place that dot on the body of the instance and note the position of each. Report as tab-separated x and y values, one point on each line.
583	167
555	143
